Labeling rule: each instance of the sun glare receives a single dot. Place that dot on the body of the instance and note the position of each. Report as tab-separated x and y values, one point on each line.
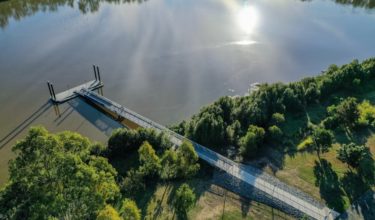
247	19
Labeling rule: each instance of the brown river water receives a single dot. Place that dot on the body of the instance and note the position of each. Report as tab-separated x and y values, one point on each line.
164	59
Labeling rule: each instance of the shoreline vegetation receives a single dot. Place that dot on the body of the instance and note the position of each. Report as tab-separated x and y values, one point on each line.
316	134
326	121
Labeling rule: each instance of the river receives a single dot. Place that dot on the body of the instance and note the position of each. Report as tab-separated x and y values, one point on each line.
164	59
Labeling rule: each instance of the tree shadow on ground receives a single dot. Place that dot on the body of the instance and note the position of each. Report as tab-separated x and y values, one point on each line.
245	207
363	208
142	198
366	168
329	185
357	183
353	185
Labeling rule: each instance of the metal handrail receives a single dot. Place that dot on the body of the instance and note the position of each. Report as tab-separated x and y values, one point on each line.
199	148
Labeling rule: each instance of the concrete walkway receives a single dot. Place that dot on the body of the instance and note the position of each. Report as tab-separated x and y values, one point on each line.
216	159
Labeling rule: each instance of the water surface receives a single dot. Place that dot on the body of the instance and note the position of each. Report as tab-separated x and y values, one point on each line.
163	58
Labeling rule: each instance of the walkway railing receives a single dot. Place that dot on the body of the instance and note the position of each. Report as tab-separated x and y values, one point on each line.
214	158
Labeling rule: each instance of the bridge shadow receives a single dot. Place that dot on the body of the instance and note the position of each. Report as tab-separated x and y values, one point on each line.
96	117
24	124
251	198
99	119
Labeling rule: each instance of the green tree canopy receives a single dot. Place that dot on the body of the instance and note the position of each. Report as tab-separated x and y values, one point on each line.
54	175
108	213
250	143
346	111
133	183
187	160
123	141
351	154
184	199
150	162
169	164
322	139
275	132
130	211
277	118
208	128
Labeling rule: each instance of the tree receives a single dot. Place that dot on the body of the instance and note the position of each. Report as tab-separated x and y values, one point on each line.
233	132
169	165
330	122
184	199
275	132
291	100
108	213
133	182
54	175
312	93
208	128
322	139
366	112
351	154
249	144
130	211
356	82
150	162
347	111
187	160
123	141
277	118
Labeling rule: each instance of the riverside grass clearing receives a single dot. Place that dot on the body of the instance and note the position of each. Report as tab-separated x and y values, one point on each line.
212	201
329	180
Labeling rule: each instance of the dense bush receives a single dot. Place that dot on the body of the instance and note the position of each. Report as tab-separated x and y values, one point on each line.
322	139
180	163
226	121
108	213
351	154
253	139
275	132
56	176
183	200
129	210
123	141
366	113
346	112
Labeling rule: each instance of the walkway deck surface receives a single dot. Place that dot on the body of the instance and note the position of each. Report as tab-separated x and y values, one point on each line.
71	93
215	159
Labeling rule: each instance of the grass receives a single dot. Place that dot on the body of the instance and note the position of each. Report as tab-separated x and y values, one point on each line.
299	170
327	179
213	202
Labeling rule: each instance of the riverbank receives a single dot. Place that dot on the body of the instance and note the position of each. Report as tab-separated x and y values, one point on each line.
76	115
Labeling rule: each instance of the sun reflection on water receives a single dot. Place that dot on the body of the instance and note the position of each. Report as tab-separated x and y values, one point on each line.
247	19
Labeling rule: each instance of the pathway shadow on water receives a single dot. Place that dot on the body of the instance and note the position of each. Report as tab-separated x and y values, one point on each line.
99	119
24	124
